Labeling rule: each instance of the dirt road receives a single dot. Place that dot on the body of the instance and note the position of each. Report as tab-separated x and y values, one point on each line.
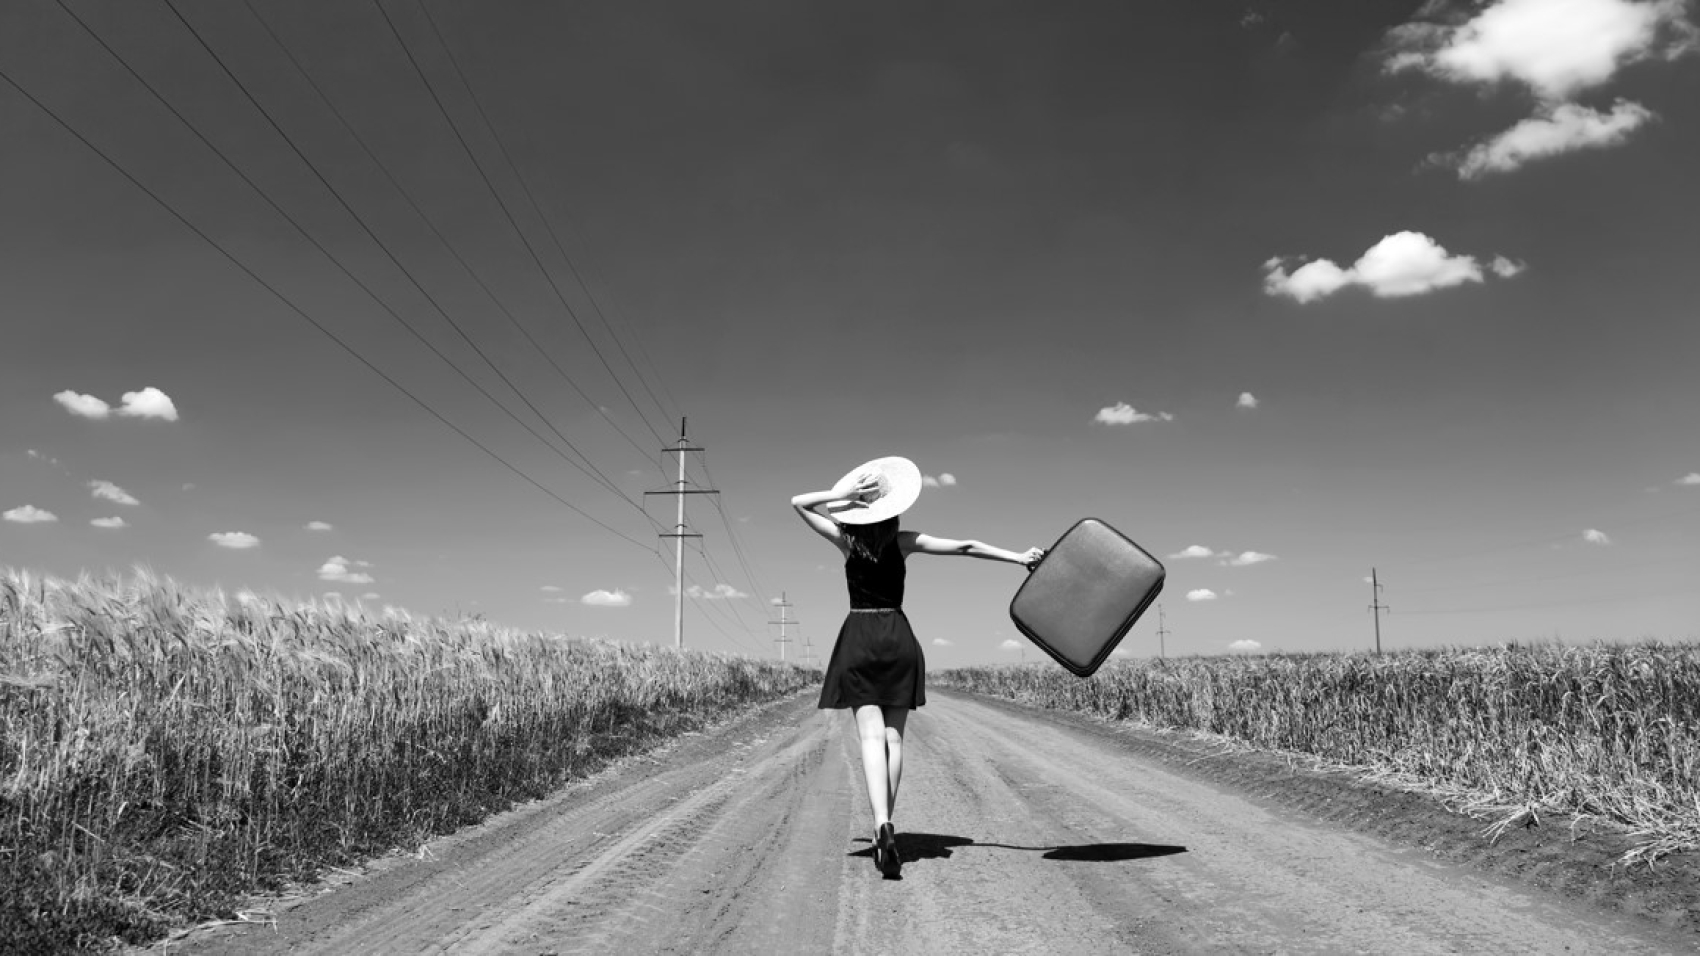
1020	834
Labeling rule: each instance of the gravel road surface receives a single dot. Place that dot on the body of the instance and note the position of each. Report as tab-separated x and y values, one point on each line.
1019	834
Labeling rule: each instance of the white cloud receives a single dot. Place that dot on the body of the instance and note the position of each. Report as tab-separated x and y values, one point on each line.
942	642
29	514
150	402
1193	551
552	589
86	406
1401	264
945	479
1245	558
1011	644
335	568
1505	268
1245	646
239	540
1246	400
38	456
1121	413
1201	594
604	598
108	522
1692	478
1553	48
1553	130
719	592
319	526
111	492
1596	536
370	596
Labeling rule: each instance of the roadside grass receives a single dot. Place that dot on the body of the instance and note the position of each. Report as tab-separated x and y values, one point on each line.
166	752
1511	734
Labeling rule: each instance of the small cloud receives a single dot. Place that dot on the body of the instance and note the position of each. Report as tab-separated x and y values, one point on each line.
720	592
944	480
1245	646
1011	644
29	514
1245	558
1246	400
1554	130
1251	19
1193	551
947	479
1692	478
319	526
239	540
335	568
188	486
38	456
1505	268
1121	652
370	596
1596	536
605	598
1401	264
557	600
111	492
108	522
86	406
1201	594
941	642
150	402
550	588
1121	413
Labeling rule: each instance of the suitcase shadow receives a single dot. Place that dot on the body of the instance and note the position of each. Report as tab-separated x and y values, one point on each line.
912	847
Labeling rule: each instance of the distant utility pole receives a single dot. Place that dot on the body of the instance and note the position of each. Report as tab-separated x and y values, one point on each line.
808	652
680	533
783	606
1376	606
1162	632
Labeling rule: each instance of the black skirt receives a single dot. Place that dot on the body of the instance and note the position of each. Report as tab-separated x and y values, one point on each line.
876	660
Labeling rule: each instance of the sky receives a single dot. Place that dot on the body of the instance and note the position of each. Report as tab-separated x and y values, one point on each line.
402	303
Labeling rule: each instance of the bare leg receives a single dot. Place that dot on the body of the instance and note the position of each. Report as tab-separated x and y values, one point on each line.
895	718
870	727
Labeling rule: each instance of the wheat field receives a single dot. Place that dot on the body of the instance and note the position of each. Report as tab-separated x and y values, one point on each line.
1609	732
166	751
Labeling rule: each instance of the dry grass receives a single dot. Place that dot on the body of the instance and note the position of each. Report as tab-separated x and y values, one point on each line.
164	752
1610	732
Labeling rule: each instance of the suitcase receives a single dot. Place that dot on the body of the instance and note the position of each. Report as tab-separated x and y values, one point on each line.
1085	594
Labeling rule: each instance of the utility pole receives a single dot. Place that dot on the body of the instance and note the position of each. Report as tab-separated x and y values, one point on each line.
783	606
808	652
680	533
1376	606
1162	632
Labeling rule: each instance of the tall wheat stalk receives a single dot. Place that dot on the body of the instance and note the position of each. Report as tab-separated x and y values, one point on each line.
165	751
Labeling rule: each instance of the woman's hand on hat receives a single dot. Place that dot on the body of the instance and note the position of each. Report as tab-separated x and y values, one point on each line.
1032	556
858	488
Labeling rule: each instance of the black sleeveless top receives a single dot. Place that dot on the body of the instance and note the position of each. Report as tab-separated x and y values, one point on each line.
876	583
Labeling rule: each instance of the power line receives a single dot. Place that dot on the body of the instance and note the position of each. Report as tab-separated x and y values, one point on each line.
589	468
548	224
432	226
506	212
303	314
293	222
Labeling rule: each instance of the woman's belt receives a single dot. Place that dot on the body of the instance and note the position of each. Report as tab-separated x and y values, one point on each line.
873	610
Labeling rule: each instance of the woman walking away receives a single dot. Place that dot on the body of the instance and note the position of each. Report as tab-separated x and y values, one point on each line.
877	669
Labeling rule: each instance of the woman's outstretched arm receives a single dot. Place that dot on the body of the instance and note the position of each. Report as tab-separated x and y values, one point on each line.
914	542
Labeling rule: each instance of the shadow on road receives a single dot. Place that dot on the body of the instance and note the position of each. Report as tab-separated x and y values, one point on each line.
937	846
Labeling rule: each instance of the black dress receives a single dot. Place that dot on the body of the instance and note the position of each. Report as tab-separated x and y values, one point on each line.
876	659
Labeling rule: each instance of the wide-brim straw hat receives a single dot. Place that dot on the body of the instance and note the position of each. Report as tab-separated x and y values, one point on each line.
900	485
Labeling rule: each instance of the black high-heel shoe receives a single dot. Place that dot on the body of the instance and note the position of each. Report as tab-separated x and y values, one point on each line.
885	851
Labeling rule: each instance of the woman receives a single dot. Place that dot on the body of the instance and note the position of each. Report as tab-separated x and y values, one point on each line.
877	669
